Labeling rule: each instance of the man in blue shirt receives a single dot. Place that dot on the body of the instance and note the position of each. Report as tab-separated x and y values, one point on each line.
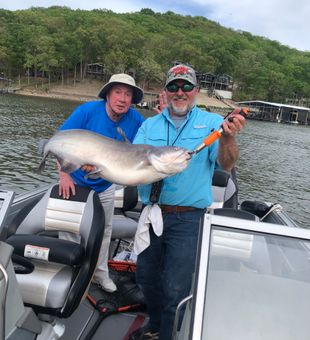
165	268
104	117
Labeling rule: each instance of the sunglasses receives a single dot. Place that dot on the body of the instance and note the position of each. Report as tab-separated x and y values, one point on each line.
175	87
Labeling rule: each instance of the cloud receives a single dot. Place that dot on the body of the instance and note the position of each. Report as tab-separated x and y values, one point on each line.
285	21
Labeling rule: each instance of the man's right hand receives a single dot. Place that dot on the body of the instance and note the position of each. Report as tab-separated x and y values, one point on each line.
66	185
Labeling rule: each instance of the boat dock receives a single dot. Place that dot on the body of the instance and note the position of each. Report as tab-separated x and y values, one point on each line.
277	112
5	85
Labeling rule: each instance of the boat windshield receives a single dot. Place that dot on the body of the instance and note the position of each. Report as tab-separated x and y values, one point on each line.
252	282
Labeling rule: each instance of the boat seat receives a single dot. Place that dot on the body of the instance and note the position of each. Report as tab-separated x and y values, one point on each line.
235	213
126	212
125	219
63	269
224	190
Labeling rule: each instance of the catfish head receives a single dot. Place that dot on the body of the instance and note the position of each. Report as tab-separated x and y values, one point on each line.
169	159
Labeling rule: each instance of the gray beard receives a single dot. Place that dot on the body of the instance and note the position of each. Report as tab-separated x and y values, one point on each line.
180	112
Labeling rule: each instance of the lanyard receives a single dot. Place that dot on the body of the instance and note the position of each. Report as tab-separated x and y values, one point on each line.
178	135
157	186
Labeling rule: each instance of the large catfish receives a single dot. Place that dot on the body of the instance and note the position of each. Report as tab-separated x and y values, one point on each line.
118	162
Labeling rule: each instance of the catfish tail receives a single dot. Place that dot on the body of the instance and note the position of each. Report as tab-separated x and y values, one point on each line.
41	146
41	166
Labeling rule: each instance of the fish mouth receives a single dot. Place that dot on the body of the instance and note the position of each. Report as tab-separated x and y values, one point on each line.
188	155
171	164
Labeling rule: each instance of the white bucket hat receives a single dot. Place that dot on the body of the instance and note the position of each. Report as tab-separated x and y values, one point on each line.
122	78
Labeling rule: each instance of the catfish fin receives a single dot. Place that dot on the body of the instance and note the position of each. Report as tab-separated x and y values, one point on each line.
122	133
67	166
144	163
93	174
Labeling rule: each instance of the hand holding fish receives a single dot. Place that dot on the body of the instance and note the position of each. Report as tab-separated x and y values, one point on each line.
87	168
66	185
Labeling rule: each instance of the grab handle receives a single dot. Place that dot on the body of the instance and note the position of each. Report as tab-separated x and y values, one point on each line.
177	315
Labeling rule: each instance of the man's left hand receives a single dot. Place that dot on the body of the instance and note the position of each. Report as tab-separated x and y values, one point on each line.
88	168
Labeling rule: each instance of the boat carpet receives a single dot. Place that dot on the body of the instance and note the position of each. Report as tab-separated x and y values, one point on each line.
113	326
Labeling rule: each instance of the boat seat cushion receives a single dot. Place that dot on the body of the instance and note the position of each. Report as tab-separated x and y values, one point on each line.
123	227
53	213
47	249
47	286
224	190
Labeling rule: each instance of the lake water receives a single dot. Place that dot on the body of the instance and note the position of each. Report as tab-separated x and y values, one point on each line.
273	166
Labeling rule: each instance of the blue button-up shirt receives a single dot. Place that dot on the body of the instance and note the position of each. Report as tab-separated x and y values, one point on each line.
193	186
93	116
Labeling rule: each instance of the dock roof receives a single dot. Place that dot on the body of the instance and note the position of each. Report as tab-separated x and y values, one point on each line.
249	102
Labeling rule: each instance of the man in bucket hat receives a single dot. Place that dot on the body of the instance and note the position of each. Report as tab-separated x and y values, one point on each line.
165	267
104	117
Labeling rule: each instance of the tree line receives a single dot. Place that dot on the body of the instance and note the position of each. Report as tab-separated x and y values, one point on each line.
58	42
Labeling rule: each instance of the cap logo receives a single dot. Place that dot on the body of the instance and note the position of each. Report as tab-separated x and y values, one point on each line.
180	70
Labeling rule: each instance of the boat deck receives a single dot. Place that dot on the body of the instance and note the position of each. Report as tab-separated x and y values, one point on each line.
117	314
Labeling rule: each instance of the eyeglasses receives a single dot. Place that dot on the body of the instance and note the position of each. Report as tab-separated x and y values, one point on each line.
184	87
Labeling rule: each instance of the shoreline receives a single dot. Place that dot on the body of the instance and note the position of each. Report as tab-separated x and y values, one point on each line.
81	91
88	89
61	96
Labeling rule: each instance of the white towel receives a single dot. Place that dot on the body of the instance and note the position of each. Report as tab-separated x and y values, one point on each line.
151	214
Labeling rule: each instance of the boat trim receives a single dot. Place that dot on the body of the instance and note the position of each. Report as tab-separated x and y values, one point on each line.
4	297
6	199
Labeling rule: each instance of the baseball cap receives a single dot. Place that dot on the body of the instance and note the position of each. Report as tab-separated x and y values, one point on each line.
181	71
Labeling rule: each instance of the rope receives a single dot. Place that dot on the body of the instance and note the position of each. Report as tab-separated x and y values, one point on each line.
104	312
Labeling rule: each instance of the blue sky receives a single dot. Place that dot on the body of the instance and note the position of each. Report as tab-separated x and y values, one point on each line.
286	21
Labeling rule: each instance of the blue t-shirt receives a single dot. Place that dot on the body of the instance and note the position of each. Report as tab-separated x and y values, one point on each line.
93	116
193	186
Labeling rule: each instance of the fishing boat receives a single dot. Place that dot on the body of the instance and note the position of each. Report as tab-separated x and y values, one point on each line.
251	281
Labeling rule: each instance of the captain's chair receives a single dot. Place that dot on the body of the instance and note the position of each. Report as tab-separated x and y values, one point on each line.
224	190
126	215
62	269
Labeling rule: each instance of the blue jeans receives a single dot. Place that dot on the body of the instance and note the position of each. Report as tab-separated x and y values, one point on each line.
165	268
